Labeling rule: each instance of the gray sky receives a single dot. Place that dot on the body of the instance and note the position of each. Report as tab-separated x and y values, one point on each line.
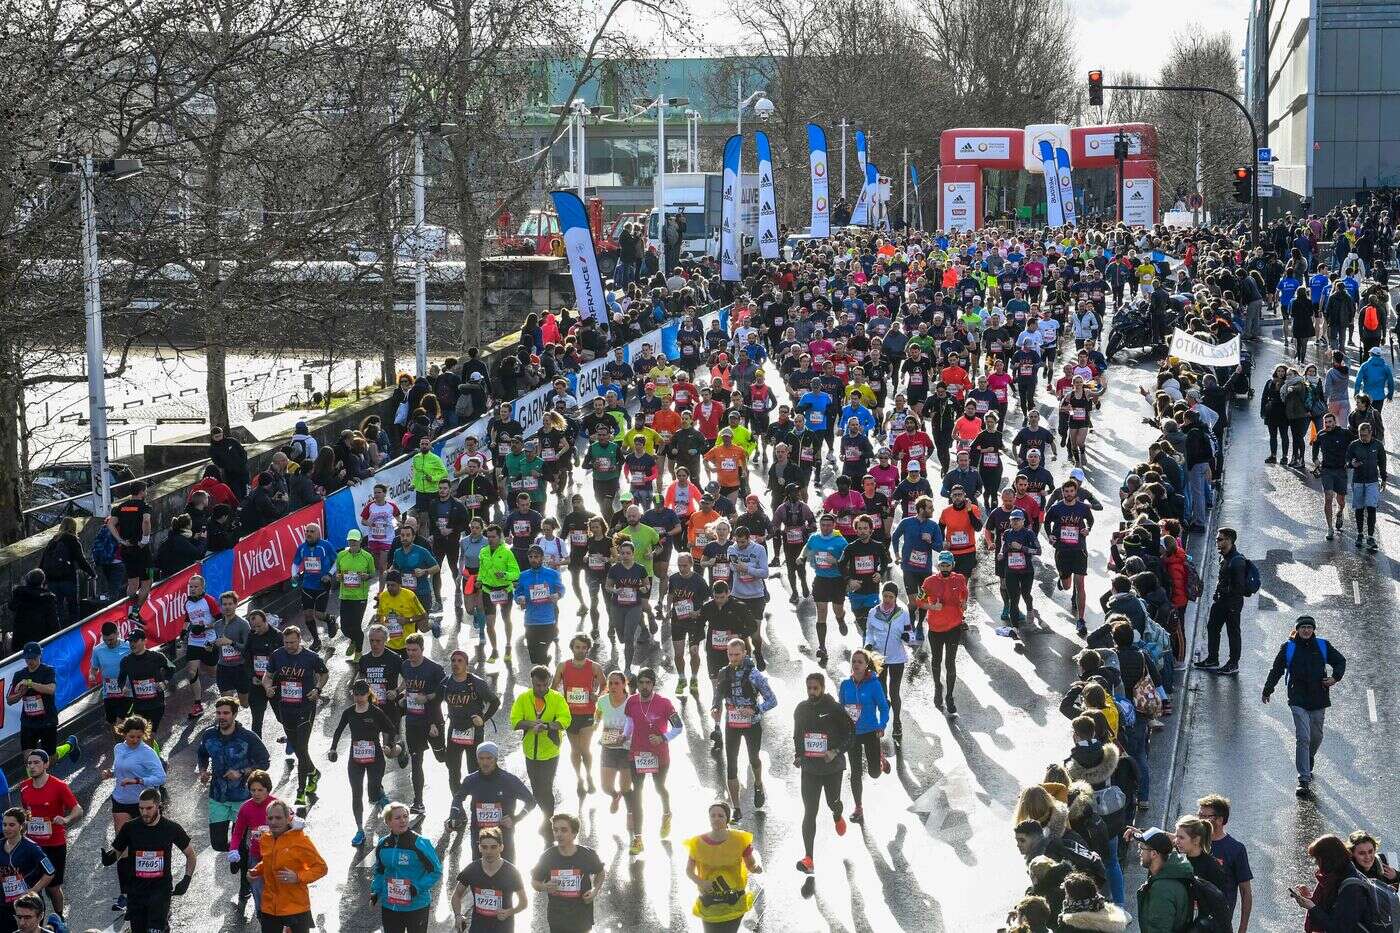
1113	34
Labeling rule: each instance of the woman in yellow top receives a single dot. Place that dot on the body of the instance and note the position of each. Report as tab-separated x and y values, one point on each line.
719	864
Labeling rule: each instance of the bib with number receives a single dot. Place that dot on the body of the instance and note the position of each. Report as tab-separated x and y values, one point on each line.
291	691
1069	535
539	592
865	564
352	579
488	814
577	696
38	828
991	459
597	561
499	596
463	736
918	560
814	744
569	881
488	901
626	596
14	887
398	892
311	565
145	689
111	687
739	717
149	864
229	654
685	608
959	539
364	751
33	705
794	535
646	762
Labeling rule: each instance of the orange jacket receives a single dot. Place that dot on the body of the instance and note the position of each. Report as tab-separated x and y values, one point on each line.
292	849
950	593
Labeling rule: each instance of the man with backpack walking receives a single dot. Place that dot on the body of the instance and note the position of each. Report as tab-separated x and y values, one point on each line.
1304	661
1237	579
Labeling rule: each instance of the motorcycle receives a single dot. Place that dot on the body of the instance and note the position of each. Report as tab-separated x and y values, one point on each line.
1131	329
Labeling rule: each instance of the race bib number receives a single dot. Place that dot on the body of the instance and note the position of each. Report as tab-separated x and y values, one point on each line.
1026	370
33	705
603	464
626	596
646	762
413	703
918	560
916	378
825	560
739	717
597	561
472	502
853	711
499	596
352	579
463	737
917	452
530	483
488	901
814	744
807	455
815	418
719	639
851	454
364	751
721	571
38	828
959	539
1069	535
577	696
639	478
568	880
149	864
578	538
539	593
145	689
793	535
111	687
442	526
549	455
260	665
520	528
728	463
1000	393
311	565
1015	560
865	564
399	892
229	655
15	887
488	814
685	608
612	738
291	691
991	459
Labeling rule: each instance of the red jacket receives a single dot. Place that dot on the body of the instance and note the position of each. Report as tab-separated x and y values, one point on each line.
219	493
951	593
1175	566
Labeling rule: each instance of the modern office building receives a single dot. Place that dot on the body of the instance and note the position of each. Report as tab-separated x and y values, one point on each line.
1322	79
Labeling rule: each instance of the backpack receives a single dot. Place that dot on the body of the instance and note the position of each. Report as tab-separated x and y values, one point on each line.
1290	647
1383	906
1212	911
55	561
1193	581
298	448
1370	318
1252	579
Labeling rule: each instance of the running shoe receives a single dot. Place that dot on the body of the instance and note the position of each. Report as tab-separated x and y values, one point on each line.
681	687
120	903
437	629
805	866
75	751
332	629
858	816
313	781
759	798
736	816
1229	670
358	839
494	657
841	624
1371	544
382	802
1206	664
821	656
665	825
636	847
417	809
695	686
840	826
301	798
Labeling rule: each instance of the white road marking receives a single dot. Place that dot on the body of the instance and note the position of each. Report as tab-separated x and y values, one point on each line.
1371	703
1356	592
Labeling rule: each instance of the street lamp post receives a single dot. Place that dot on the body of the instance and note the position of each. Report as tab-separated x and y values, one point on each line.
420	259
659	187
88	171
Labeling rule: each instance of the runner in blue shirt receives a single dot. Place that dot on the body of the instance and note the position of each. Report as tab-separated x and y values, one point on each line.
105	671
918	538
1288	287
538	592
420	565
313	569
823	551
1317	285
812	407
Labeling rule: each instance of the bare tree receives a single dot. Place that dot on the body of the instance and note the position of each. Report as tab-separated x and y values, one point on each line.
1127	106
1200	131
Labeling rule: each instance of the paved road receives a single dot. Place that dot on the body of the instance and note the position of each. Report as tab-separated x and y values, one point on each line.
1242	748
936	829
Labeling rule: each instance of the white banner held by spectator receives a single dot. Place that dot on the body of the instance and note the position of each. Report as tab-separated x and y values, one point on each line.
1194	350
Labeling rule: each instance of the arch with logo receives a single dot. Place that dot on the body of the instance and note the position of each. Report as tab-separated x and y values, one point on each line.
965	154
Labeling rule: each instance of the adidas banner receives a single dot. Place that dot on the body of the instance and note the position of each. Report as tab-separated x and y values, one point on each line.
820	223
729	236
1054	212
767	199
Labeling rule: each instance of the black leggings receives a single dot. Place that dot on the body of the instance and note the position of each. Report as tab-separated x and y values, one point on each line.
297	923
148	914
753	737
864	756
405	921
1366	516
454	755
352	616
298	728
1299	429
420	741
357	771
796	569
1015	589
813	786
1278	435
257	706
943	650
891	676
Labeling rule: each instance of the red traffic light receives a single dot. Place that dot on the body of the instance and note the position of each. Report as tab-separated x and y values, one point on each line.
1096	76
1096	88
1241	173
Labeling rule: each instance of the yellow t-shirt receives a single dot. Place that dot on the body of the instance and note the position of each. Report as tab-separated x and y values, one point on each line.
723	860
396	613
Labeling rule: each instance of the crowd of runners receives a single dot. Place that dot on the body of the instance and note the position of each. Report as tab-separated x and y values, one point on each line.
882	424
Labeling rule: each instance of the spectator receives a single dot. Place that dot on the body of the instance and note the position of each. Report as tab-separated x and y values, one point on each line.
399	403
223	530
212	482
327	474
33	611
179	549
111	574
231	459
301	489
61	560
263	506
198	512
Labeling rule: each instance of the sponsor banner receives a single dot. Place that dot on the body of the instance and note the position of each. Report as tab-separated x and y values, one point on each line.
264	558
729	236
767	199
1193	350
820	223
1054	212
1066	181
653	340
1101	144
957	204
583	260
1137	202
981	147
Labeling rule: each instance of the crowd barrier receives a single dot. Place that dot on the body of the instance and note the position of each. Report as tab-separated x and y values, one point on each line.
263	559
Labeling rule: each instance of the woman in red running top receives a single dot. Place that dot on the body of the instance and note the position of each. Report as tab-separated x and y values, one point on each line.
581	680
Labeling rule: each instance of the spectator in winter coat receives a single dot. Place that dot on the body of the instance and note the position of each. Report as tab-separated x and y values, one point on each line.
231	459
1085	911
222	532
262	507
180	549
33	611
304	446
213	483
61	560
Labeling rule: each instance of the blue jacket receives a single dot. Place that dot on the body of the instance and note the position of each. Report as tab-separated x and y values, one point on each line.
321	551
410	858
1375	380
870	696
861	414
242	751
540	613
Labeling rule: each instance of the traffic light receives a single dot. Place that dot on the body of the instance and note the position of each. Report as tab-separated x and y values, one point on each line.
1244	184
1096	88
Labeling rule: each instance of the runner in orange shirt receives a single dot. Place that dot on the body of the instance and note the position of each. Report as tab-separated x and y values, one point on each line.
697	527
961	521
729	463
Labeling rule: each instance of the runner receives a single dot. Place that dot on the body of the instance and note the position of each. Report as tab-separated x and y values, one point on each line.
144	674
580	680
686	595
104	671
294	681
542	714
865	703
821	735
51	809
471	703
498	574
201	611
823	550
889	632
570	875
863	563
367	723
406	869
1067	526
262	641
313	572
422	711
288	867
226	754
720	862
944	595
354	568
652	723
34	690
742	696
495	886
494	794
142	852
627	587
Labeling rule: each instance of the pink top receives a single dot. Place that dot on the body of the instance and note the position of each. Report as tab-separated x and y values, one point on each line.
252	818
